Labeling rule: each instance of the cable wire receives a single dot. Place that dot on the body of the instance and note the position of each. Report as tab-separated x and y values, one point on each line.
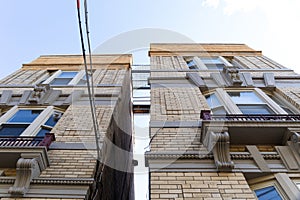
92	104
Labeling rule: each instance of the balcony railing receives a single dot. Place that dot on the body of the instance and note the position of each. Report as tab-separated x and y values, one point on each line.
205	115
19	141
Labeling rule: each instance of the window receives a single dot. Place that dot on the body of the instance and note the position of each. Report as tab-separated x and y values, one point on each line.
242	102
215	104
249	103
213	63
83	80
28	121
207	63
267	193
62	78
283	104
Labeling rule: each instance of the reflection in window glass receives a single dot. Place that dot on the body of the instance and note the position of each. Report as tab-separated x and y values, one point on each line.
244	97
191	64
64	78
249	103
22	119
211	60
215	105
255	109
268	193
25	116
213	101
213	63
12	129
67	75
19	122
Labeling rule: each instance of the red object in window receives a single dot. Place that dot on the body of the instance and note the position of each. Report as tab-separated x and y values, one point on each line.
48	139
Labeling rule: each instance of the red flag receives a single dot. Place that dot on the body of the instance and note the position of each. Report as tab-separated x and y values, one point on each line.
78	3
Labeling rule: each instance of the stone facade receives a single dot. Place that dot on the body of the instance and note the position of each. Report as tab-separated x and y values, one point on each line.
73	171
196	154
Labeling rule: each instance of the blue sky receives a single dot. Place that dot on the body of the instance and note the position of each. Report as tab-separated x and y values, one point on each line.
32	28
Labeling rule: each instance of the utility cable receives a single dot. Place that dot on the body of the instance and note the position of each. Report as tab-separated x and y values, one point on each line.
92	105
89	47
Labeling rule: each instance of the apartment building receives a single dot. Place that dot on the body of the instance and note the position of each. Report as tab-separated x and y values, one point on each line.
224	124
47	140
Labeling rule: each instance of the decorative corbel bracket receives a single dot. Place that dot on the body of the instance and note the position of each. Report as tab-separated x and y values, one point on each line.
38	92
295	142
218	144
29	166
232	75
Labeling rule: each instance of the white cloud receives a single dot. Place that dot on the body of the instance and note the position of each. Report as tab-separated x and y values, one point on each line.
233	6
281	28
211	3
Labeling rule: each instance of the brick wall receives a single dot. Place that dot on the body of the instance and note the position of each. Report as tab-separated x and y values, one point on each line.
199	186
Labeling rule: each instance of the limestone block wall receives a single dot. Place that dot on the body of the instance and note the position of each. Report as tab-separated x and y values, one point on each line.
177	103
167	62
291	94
23	77
256	62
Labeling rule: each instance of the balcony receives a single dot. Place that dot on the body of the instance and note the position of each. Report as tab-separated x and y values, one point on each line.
12	148
278	118
252	129
17	141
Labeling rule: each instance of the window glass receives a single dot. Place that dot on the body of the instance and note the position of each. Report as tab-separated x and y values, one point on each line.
22	119
213	63
43	132
64	78
67	75
215	66
213	101
191	64
211	60
255	109
12	129
25	116
244	97
61	81
215	104
249	103
268	193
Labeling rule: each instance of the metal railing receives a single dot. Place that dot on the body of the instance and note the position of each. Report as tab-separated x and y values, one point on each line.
20	141
256	117
205	115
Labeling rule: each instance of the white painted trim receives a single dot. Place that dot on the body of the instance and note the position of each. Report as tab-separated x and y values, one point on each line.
225	62
199	63
9	114
35	126
51	78
77	78
227	102
288	186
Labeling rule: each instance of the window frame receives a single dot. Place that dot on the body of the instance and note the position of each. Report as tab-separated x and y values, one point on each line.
202	66
36	125
231	108
75	80
284	184
269	183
